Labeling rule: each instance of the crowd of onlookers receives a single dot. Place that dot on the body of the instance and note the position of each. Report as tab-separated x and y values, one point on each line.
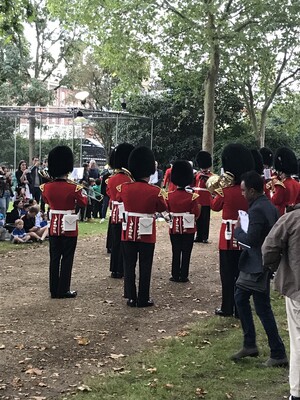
23	215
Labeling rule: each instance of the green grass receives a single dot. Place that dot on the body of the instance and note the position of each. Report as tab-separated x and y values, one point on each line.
91	228
197	365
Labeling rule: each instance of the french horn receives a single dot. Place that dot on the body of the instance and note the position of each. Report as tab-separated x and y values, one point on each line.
216	183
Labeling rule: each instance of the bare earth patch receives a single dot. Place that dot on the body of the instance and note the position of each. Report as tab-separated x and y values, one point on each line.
49	346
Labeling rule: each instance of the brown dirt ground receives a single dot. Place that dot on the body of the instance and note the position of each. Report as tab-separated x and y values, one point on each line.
39	355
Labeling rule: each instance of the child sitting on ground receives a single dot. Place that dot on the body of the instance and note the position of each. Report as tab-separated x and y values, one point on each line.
19	235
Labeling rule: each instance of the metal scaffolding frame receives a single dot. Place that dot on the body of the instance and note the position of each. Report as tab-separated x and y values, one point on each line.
42	113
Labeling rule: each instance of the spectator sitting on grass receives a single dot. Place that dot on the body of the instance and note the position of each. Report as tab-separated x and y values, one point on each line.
19	235
34	231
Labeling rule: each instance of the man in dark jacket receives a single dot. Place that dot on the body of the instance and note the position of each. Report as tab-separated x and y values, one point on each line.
253	281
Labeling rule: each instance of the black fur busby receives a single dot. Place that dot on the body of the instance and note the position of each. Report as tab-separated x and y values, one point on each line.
182	173
258	161
122	152
111	161
203	159
267	156
285	161
60	161
237	159
141	162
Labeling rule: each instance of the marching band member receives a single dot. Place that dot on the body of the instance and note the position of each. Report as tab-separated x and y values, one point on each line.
204	162
260	169
286	189
141	200
121	175
236	160
167	183
62	198
184	211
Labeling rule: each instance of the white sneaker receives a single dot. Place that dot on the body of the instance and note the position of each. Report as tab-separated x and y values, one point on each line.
102	220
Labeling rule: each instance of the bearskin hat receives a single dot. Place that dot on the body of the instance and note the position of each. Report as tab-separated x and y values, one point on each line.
286	161
122	152
203	159
182	173
141	162
111	161
258	161
237	159
267	156
60	161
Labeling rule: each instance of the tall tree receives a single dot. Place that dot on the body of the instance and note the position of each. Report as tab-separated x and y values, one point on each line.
190	33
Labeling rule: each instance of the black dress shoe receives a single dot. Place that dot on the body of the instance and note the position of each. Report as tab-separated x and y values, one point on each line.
68	295
205	241
221	313
131	303
184	280
116	275
172	279
148	303
197	240
54	296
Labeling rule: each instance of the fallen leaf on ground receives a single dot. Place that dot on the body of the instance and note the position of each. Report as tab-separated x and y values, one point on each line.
33	371
169	386
2	346
200	393
116	356
84	388
151	370
82	341
182	333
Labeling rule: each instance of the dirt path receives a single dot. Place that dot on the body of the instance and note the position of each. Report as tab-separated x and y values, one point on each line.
48	346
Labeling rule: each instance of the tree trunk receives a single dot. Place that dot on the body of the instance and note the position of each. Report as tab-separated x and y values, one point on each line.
32	123
262	128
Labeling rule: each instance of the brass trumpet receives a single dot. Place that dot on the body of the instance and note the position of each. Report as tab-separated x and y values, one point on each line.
216	183
275	180
44	174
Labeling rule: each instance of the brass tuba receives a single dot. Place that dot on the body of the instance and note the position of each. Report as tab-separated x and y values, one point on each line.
216	183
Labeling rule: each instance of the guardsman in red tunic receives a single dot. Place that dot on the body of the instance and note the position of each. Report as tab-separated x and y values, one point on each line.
268	172
141	200
236	160
184	211
121	175
167	183
204	162
62	198
286	188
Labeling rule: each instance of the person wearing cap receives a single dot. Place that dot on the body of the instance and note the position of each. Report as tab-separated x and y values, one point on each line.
62	197
120	176
184	211
141	201
236	160
286	188
204	162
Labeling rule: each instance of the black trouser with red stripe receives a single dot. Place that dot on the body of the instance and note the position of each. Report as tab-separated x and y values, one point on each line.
116	258
62	250
132	251
182	246
229	272
202	224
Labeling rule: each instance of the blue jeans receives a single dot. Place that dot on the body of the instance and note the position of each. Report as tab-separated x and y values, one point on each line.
264	311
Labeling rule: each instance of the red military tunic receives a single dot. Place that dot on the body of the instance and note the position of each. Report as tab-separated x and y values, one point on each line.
141	198
64	196
205	197
230	203
168	182
114	181
286	194
181	201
